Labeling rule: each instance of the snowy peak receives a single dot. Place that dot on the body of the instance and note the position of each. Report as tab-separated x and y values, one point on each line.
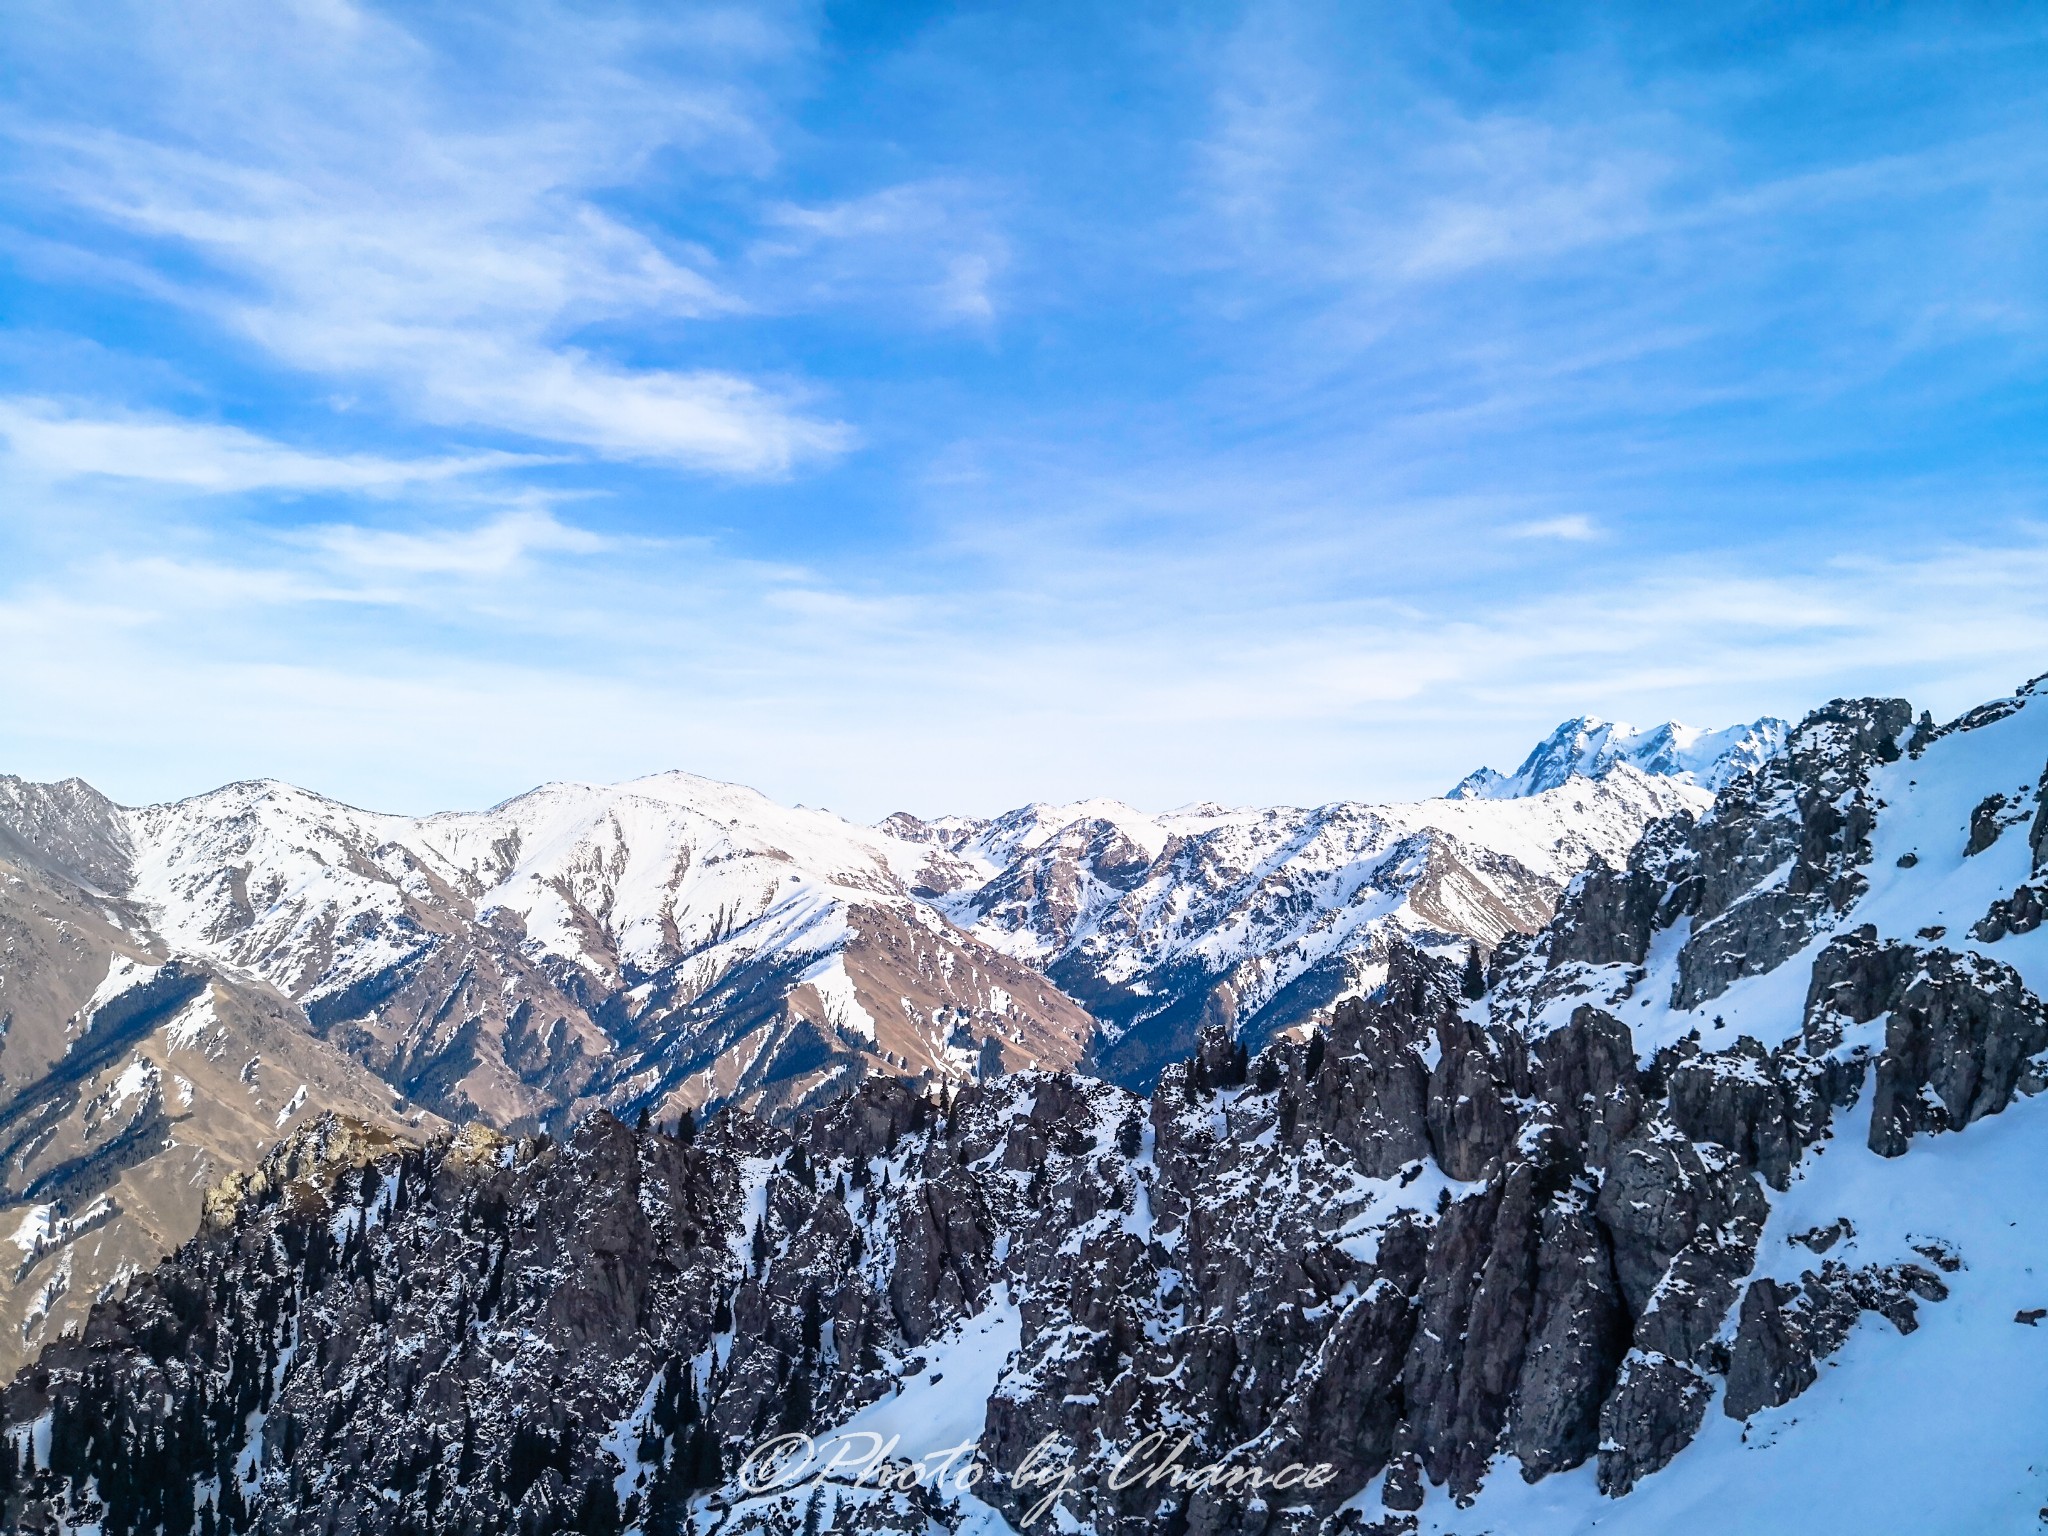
661	941
1589	747
1263	917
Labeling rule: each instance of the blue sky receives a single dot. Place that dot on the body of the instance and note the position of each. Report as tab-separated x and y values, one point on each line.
944	406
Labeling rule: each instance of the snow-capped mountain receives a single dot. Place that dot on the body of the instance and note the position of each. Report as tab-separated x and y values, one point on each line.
1589	747
668	939
1259	919
667	942
131	1077
1713	1205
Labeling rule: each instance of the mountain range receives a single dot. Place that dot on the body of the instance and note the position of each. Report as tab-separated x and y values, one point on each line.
1708	1203
1589	747
184	982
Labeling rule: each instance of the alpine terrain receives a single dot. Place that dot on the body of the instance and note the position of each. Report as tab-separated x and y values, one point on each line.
1711	1203
183	983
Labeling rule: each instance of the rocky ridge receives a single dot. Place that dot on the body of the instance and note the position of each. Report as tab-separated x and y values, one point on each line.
131	1077
1591	748
182	983
1661	1167
1259	920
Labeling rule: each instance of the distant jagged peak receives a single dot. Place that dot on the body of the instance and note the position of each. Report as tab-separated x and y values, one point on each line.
1590	747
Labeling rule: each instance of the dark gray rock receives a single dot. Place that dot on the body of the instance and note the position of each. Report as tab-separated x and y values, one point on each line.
1958	1045
1771	1364
1985	824
1785	1330
1578	1331
1372	1093
1662	1196
1470	1126
1736	1099
1201	1260
2037	834
1608	915
1809	811
1652	1414
1437	1429
2021	912
1586	1073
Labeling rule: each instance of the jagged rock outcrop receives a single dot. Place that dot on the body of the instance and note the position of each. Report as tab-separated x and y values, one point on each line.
2021	912
1786	1329
1809	814
1442	1239
1957	1046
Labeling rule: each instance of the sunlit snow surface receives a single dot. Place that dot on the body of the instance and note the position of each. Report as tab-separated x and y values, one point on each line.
1941	1431
947	1402
1263	895
1924	811
1590	746
672	859
622	880
941	1407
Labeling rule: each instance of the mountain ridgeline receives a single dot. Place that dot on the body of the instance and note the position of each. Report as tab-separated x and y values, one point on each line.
1709	1201
183	983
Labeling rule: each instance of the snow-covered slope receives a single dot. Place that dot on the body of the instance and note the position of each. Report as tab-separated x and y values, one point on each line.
1861	927
131	1077
1260	918
1715	1204
1590	747
668	939
675	940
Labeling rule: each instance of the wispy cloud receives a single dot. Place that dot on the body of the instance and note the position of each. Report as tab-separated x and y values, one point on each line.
932	243
359	224
1574	528
281	655
484	550
57	441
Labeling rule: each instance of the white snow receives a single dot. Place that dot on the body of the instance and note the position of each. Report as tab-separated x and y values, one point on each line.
1938	1432
947	1402
1590	747
1933	1432
137	1078
34	1229
189	1027
1264	895
839	997
262	875
122	975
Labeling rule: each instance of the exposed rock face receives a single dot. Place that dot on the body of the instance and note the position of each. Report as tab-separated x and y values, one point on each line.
1737	1100
1589	747
1786	1329
1777	858
1578	1332
183	983
1770	1364
2037	834
1810	812
664	942
2020	912
1161	924
1985	824
1563	1302
1652	1414
131	1078
1445	1238
1956	1048
677	941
